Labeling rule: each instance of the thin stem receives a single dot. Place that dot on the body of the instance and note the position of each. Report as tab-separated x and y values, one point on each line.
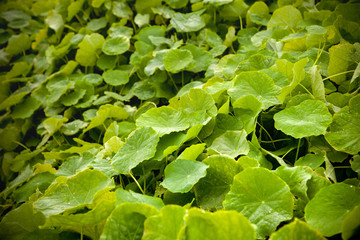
277	140
171	78
319	54
279	159
137	183
338	74
306	90
144	179
287	152
19	143
297	149
267	133
182	78
70	27
241	23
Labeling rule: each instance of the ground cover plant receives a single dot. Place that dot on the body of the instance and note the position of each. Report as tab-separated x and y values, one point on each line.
179	119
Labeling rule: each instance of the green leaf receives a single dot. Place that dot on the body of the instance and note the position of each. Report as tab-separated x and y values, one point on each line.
146	32
317	84
211	190
40	181
219	225
355	164
96	24
106	111
155	63
296	178
218	2
20	221
123	196
142	19
163	120
69	193
176	60
262	197
181	175
341	56
116	45
75	164
201	57
258	13
189	22
89	49
350	225
293	71
121	10
192	152
197	105
297	230
311	160
257	84
127	221
102	210
166	225
231	143
115	77
73	127
55	21
18	44
344	131
309	118
331	205
26	108
139	146
287	16
177	3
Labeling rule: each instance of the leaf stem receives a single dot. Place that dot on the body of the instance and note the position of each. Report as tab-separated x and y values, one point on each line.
172	80
137	183
297	149
307	90
279	159
19	143
267	133
338	74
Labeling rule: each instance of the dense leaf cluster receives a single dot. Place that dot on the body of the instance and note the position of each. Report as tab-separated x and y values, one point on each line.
179	119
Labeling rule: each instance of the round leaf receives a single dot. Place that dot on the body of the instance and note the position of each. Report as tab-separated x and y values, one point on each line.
225	225
231	143
127	221
116	45
297	230
189	22
287	16
115	77
351	224
166	225
258	84
140	146
181	175
211	190
330	206
176	60
309	118
344	134
261	196
71	192
163	120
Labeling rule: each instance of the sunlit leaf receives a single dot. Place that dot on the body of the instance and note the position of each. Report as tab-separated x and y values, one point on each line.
331	205
262	197
181	175
309	118
139	146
